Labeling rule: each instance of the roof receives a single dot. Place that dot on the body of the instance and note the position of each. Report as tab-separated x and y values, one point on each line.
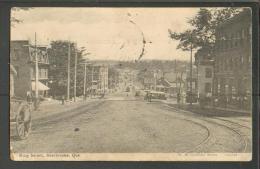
19	41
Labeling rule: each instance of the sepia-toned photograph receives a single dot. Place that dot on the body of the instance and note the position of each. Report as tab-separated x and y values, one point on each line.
131	84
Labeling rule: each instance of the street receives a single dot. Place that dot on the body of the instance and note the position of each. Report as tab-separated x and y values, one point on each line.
121	123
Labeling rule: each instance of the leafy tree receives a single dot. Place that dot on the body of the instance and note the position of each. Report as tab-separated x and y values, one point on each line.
204	24
58	71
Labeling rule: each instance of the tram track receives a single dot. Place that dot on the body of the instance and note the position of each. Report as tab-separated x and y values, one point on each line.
228	124
234	130
235	123
241	136
204	141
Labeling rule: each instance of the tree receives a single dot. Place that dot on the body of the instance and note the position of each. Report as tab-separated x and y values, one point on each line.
204	24
58	71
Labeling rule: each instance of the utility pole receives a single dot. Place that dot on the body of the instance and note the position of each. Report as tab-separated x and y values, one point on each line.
191	71
75	74
85	72
68	82
36	74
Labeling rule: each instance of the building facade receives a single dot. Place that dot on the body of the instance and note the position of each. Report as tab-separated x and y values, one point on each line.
233	60
22	57
100	79
205	65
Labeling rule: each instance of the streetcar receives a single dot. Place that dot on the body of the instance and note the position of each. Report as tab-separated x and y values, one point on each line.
155	95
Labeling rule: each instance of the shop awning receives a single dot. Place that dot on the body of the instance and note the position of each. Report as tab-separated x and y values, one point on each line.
41	87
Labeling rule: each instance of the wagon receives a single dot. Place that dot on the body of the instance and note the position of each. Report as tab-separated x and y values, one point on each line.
20	118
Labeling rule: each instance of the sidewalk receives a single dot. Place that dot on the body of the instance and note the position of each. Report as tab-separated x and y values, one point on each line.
211	111
48	108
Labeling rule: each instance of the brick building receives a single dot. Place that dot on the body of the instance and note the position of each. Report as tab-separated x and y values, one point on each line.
22	57
233	60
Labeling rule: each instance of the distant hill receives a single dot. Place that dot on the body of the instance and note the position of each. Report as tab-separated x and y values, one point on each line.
164	65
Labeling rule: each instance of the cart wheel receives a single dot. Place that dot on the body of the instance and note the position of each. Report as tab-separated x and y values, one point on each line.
23	121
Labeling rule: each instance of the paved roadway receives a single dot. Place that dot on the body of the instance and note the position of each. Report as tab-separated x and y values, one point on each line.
125	124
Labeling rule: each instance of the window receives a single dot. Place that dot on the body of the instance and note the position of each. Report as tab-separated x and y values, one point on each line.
208	73
207	87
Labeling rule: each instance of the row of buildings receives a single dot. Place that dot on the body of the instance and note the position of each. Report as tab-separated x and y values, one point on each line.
225	75
22	60
171	82
23	74
220	78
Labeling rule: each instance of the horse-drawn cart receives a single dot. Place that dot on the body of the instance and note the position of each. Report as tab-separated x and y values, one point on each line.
20	118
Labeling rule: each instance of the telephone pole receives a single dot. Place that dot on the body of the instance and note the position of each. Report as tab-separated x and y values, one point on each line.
75	74
36	73
191	97
68	82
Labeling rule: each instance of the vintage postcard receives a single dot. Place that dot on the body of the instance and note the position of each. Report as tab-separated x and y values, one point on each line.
131	84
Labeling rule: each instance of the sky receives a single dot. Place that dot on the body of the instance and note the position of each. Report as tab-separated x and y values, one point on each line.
107	33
